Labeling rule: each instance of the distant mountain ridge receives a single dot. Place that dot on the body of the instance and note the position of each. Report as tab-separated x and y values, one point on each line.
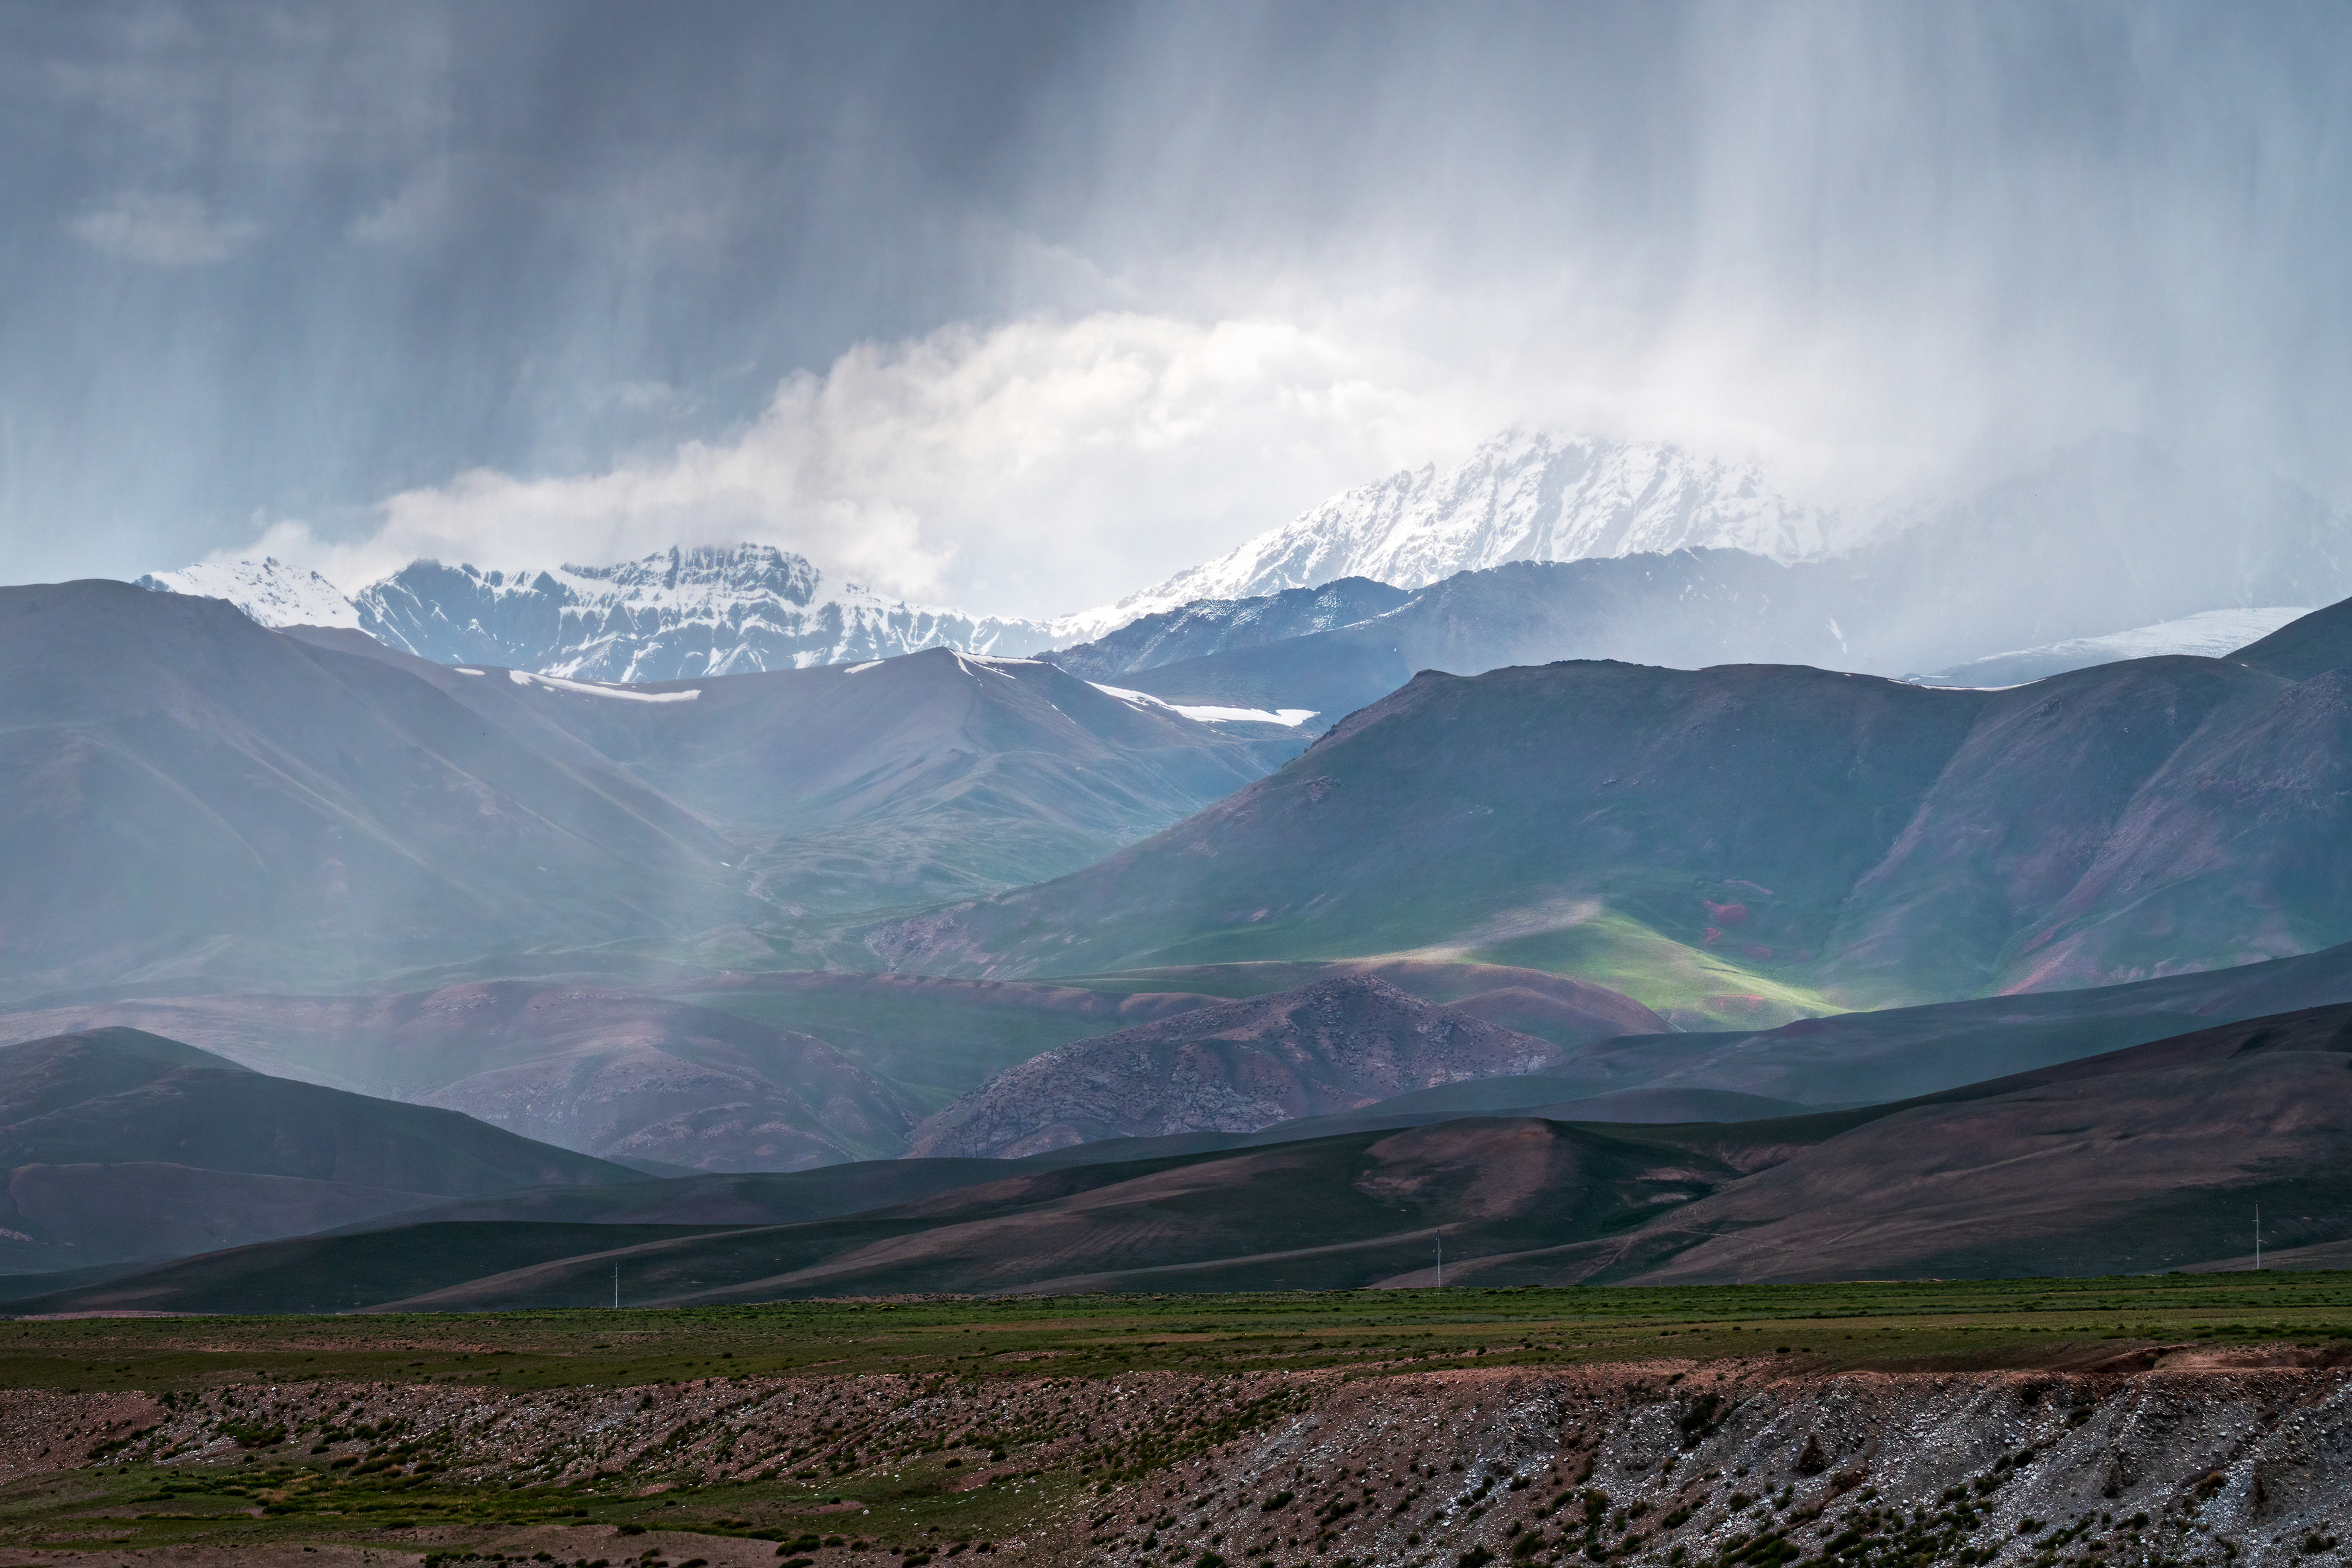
2088	542
676	614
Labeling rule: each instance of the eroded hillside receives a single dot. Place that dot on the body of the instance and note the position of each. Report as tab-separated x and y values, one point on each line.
2214	1456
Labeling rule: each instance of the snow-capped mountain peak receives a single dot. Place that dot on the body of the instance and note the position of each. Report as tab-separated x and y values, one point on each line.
269	591
673	615
1522	495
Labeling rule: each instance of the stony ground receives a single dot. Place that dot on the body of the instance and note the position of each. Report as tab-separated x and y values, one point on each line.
2228	1460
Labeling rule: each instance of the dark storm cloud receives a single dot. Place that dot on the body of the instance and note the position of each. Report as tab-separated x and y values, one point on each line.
268	262
297	257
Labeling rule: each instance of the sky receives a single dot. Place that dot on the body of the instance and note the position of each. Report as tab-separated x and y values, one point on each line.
1019	307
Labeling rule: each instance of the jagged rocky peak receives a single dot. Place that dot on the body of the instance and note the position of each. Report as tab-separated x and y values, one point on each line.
676	614
734	569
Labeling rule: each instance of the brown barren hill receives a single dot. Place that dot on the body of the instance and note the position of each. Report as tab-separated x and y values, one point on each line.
1331	1045
2140	1160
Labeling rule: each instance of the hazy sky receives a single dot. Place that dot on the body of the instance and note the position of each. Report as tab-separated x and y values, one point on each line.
1019	307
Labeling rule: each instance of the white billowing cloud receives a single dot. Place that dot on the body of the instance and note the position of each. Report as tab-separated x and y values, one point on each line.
1034	467
169	229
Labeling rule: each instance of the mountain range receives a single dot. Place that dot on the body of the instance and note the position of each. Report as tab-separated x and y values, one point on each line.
197	795
674	615
1634	907
2113	538
1785	835
2134	1160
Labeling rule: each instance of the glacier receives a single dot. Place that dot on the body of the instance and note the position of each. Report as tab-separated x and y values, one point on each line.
2209	634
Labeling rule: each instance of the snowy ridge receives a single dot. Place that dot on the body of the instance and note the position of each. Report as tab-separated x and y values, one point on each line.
1523	495
674	615
269	591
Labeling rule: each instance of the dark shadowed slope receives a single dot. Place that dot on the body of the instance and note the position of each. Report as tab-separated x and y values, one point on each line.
1335	1045
1323	1214
1836	835
2142	1160
608	1074
120	1144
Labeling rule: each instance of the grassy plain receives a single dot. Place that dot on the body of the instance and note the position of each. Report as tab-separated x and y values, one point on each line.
1955	1325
